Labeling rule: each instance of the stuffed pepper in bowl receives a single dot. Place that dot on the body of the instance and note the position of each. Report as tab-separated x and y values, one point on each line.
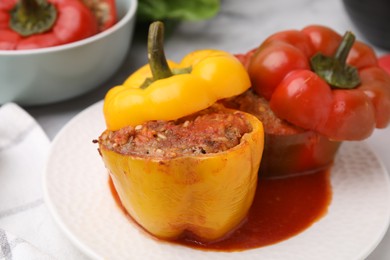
321	89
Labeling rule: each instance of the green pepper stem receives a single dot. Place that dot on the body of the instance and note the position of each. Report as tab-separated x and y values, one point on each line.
30	17
335	70
345	47
28	6
157	61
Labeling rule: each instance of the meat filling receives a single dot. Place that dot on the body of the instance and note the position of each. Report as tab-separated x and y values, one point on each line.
258	106
210	131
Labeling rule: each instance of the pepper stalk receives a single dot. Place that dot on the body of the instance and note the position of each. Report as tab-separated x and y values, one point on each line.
334	70
30	17
156	56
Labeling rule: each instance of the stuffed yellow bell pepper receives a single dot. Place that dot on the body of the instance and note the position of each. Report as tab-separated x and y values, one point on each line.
179	166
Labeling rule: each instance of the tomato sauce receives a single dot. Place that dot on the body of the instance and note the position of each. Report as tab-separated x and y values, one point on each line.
282	208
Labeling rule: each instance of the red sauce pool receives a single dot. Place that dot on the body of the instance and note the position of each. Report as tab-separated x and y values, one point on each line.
281	209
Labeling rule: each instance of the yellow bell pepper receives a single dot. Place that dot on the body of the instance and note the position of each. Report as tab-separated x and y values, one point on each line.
203	77
208	195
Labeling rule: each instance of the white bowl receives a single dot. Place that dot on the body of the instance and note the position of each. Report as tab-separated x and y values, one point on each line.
47	75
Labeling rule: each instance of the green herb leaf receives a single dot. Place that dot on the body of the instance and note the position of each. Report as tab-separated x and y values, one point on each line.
194	10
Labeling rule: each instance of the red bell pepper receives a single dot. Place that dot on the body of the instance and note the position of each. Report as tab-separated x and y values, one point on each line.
31	24
318	80
104	11
245	58
384	62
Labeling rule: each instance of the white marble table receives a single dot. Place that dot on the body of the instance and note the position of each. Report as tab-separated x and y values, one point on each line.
241	25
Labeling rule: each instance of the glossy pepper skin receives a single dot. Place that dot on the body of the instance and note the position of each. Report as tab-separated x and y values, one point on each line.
281	70
164	90
214	75
73	21
384	62
207	195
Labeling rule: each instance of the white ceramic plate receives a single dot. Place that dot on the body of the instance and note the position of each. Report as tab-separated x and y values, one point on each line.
78	195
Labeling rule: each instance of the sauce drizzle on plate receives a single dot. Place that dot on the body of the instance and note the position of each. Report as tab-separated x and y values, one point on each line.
282	208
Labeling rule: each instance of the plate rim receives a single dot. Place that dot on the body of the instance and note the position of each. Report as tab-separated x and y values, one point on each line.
90	252
76	241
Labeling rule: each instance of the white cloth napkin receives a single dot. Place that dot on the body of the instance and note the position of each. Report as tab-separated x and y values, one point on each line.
27	231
